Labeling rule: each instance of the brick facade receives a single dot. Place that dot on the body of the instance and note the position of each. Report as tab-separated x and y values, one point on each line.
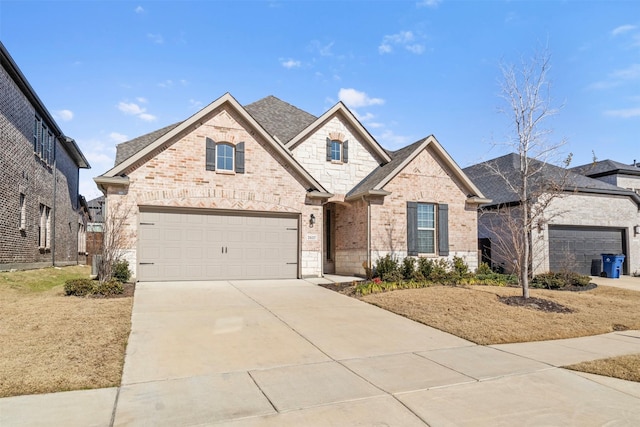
173	174
177	177
426	179
23	172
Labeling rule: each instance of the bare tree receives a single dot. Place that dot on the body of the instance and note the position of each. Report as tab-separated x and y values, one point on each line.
116	237
525	89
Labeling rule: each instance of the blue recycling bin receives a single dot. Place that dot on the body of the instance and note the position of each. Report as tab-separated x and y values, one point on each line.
612	264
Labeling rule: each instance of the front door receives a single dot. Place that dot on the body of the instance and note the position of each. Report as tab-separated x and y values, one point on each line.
328	240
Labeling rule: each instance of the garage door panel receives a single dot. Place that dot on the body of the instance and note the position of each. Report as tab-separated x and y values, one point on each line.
574	248
216	246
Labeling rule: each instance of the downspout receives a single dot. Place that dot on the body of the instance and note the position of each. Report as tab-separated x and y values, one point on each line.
368	232
55	205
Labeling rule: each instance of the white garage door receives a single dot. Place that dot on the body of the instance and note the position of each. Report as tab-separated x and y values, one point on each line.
216	246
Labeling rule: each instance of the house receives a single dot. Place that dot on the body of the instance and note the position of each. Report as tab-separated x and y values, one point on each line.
267	190
42	215
612	172
587	218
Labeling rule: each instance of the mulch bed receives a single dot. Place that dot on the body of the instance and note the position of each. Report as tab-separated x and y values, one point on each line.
128	291
346	288
533	303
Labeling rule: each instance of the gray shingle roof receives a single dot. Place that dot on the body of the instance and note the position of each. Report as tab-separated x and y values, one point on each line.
280	119
129	148
606	167
493	184
95	207
374	178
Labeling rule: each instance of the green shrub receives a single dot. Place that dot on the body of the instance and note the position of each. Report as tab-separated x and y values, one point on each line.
393	276
108	288
386	265
425	266
559	280
459	266
483	268
78	287
408	268
121	271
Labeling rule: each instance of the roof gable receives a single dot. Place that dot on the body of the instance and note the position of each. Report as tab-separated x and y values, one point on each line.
376	181
147	145
340	108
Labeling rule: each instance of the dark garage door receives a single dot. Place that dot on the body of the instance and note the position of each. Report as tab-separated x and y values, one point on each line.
212	245
574	248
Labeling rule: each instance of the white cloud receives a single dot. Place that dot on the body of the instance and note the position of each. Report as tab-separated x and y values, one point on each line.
155	38
322	49
184	82
429	3
130	108
405	39
63	115
118	137
139	9
147	117
142	100
415	48
389	139
630	73
195	104
354	98
166	83
291	63
622	29
134	109
625	113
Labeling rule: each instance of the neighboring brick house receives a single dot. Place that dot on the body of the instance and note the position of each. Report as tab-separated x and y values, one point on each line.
589	217
42	216
270	191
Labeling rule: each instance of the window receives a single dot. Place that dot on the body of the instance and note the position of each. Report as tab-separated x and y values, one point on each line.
44	228
427	229
43	141
337	151
23	212
224	157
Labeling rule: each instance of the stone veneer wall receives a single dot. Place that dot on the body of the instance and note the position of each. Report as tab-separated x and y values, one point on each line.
177	177
337	177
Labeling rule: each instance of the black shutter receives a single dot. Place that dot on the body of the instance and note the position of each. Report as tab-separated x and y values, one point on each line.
240	157
412	228
443	230
328	150
345	151
211	155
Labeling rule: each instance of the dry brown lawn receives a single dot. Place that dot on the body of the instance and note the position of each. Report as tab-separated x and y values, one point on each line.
475	313
51	342
623	367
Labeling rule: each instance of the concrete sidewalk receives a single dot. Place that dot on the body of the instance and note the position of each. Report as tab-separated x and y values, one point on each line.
625	282
285	353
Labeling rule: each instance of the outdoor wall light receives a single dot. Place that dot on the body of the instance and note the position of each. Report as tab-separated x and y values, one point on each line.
312	220
636	230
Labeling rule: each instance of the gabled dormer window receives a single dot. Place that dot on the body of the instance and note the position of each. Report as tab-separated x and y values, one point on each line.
224	156
337	151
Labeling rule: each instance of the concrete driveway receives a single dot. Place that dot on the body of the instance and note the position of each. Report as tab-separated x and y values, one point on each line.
290	353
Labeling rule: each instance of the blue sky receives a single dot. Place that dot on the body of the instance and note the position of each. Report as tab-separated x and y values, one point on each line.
111	71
